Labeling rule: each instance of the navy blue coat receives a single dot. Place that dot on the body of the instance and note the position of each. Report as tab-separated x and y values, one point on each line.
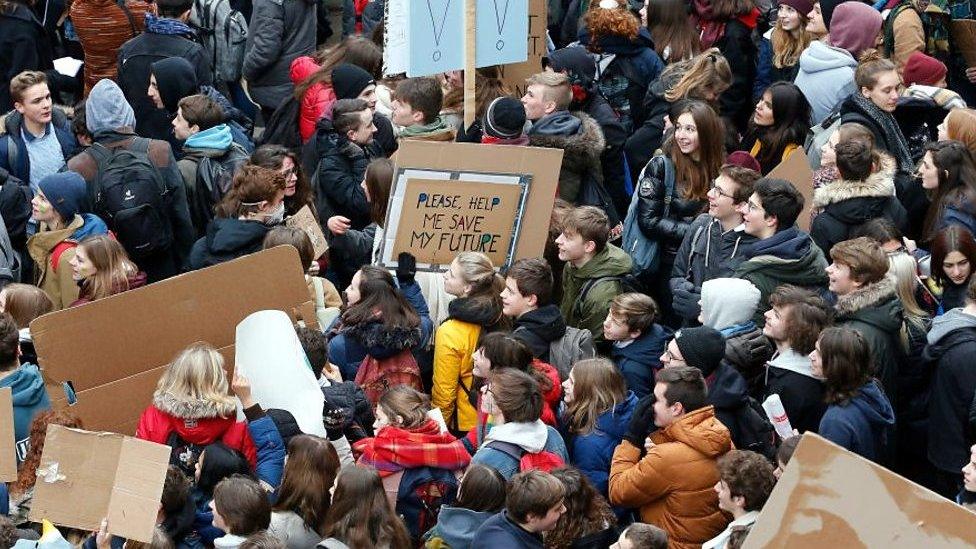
639	360
592	453
12	144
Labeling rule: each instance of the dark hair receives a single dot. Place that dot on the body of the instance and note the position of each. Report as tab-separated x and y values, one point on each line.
847	363
505	351
9	342
749	475
957	182
533	276
201	111
243	504
79	125
667	20
855	159
346	114
779	199
786	448
695	176
865	258
686	385
379	182
482	489
533	492
273	157
291	236
316	347
354	50
219	462
309	474
517	394
422	94
176	490
646	536
880	229
744	179
380	300
953	238
808	316
587	512
361	515
791	122
173	10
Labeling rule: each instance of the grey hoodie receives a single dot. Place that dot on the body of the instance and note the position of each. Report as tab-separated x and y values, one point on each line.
826	77
952	320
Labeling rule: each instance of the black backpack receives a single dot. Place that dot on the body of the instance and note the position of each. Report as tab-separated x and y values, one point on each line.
215	176
183	454
130	195
755	430
282	127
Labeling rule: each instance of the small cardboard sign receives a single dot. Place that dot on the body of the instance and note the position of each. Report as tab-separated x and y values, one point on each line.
964	38
831	497
305	221
8	439
86	476
796	170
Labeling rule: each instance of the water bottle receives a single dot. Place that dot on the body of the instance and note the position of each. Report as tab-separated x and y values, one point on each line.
777	415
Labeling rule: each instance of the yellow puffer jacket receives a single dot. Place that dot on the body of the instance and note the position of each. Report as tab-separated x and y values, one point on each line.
454	344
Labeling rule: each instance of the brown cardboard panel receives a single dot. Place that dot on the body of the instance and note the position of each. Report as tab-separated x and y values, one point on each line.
830	497
514	75
86	476
113	350
542	164
305	221
796	170
8	440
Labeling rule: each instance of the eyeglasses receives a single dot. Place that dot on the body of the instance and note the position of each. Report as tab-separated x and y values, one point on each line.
753	207
718	190
671	356
288	173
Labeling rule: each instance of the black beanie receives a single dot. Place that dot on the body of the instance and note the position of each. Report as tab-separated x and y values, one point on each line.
348	81
827	10
505	118
575	60
702	347
286	424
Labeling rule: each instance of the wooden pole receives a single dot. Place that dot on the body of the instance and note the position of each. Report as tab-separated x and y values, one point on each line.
470	105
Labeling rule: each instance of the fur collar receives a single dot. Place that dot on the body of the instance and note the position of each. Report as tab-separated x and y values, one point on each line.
878	184
192	409
586	145
377	334
869	295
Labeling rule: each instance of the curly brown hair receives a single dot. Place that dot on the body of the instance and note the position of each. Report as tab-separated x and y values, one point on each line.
38	430
601	22
749	475
807	315
587	512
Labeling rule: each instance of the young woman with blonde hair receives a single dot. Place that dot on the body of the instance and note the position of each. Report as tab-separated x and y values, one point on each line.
596	412
781	46
102	269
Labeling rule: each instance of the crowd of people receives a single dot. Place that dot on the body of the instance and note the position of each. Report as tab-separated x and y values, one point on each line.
606	394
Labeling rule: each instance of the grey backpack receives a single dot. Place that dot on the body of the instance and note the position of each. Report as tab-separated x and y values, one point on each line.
575	345
222	31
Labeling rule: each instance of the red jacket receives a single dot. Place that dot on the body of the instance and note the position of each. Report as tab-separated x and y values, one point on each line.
317	100
156	425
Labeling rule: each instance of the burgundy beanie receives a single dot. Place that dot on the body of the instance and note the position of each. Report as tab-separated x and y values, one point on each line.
854	27
924	70
803	7
742	159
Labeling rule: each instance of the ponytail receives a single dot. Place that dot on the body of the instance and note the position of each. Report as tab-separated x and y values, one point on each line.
870	66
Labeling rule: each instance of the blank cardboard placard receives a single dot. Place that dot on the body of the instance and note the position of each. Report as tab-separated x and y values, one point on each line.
8	439
114	350
86	476
831	497
305	221
796	170
964	38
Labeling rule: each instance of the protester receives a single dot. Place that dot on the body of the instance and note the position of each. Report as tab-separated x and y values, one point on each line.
416	111
960	125
101	268
321	291
25	382
953	256
588	520
674	39
746	481
947	173
638	340
534	502
778	126
642	535
298	517
240	508
359	246
481	494
24	303
728	305
360	515
782	45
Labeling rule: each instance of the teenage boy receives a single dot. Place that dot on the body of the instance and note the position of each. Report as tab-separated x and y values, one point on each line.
671	485
716	241
539	324
416	110
594	269
783	254
746	481
793	324
637	340
25	382
533	504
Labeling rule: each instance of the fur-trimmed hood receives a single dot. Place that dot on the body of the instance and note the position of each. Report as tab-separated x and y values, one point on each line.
879	184
383	341
868	296
581	148
185	408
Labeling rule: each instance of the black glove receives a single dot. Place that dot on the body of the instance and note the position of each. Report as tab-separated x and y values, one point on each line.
335	419
406	268
641	421
685	303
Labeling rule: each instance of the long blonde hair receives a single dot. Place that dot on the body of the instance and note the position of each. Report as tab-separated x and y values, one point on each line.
197	374
903	268
708	70
597	388
112	267
477	270
788	45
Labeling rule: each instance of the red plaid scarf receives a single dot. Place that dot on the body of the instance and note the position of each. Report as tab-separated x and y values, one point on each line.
394	449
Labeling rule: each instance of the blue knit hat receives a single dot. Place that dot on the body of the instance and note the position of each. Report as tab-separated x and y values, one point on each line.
67	193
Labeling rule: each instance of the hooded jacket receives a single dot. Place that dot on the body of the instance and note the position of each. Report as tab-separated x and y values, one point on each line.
30	398
787	257
341	166
668	231
592	452
590	310
502	531
279	32
539	328
951	348
790	376
673	485
318	98
728	305
639	360
56	279
532	437
728	392
456	527
875	311
12	142
708	252
25	46
766	72
227	238
859	425
647	138
582	142
826	77
845	205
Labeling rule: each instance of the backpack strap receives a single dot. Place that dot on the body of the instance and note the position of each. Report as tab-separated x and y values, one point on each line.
511	450
128	15
589	285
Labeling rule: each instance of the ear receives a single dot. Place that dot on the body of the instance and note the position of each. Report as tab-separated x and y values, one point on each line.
350	134
865	92
589	247
680	409
418	117
771	221
635	334
19	107
550	107
739	501
398	419
533	300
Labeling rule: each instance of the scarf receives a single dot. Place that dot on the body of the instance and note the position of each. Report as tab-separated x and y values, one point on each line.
165	25
394	449
438	125
492	140
897	145
711	30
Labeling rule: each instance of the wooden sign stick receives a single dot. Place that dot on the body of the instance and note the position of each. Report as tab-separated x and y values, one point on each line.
470	105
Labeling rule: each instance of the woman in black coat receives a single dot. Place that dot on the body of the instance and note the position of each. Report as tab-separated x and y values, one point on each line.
23	46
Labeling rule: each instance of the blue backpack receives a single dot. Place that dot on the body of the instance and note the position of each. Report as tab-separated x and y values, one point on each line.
645	252
420	494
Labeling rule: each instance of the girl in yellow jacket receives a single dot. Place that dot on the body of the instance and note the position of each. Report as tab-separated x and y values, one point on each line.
471	278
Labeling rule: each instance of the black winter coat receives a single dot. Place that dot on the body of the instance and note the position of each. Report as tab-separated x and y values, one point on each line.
339	170
24	46
647	139
615	137
670	230
802	395
952	345
226	239
740	51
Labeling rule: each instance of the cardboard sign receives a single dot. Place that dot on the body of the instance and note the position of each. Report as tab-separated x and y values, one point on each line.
514	75
830	497
425	37
796	170
435	220
964	38
269	354
305	221
84	477
113	351
540	165
8	438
